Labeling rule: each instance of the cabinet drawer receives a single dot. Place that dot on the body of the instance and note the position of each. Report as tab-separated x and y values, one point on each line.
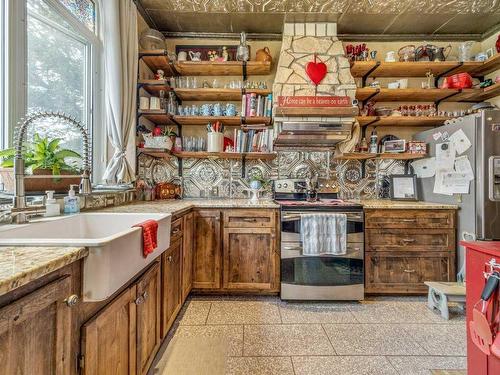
249	218
410	240
406	272
409	219
176	229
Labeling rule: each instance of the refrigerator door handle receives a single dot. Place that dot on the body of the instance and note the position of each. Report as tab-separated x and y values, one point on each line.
494	178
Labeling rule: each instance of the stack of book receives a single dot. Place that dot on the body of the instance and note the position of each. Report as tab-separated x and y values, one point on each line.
253	140
256	105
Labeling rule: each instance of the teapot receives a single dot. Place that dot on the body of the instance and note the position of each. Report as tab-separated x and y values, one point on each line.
439	53
263	55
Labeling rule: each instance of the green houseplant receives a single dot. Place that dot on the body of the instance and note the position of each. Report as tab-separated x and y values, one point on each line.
46	160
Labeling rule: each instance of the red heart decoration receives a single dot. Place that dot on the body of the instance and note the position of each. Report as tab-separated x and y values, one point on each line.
316	71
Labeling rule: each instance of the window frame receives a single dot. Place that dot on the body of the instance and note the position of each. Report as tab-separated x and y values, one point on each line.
17	86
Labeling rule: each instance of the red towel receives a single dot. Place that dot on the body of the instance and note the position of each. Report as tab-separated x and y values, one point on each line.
149	236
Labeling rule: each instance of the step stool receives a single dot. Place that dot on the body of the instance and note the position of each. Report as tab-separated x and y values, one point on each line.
440	293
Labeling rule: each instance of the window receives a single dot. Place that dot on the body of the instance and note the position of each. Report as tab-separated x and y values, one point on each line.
61	66
3	67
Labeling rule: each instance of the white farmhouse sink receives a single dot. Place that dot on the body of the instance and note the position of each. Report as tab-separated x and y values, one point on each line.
115	248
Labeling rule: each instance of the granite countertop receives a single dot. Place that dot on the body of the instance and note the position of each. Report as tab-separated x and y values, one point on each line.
409	205
20	265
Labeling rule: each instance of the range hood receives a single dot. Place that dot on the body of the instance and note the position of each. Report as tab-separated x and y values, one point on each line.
309	134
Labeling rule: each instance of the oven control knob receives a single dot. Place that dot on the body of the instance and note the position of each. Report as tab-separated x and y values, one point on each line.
279	186
285	185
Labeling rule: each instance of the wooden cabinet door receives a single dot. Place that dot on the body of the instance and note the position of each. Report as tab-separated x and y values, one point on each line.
249	258
207	250
187	255
171	284
405	272
148	302
109	338
35	332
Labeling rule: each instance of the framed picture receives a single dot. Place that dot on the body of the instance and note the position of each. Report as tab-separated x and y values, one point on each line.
404	187
490	53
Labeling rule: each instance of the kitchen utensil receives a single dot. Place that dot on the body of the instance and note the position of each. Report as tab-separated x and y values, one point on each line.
195	56
459	81
464	50
151	39
425	52
263	55
407	53
479	326
440	53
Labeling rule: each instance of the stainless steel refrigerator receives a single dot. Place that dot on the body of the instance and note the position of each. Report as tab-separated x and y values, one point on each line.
479	213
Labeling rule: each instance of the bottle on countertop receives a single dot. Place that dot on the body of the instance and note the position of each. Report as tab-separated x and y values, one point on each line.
373	142
52	208
72	201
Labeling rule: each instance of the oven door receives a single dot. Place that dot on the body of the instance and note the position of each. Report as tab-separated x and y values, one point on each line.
325	277
290	226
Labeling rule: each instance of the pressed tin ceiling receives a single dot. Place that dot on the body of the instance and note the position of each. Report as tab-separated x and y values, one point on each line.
471	19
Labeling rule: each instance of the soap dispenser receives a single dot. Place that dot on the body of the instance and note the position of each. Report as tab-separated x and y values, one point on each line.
51	206
71	202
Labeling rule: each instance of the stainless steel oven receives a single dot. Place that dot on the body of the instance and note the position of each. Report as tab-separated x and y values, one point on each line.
326	277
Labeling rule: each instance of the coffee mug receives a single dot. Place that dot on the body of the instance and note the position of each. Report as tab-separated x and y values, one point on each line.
217	109
206	110
230	109
195	56
390	56
182	56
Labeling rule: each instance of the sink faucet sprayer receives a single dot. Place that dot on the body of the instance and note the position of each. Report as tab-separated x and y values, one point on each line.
20	210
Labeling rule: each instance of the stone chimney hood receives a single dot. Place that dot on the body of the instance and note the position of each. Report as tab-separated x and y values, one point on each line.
312	125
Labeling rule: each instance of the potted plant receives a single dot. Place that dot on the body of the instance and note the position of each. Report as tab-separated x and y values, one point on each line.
47	164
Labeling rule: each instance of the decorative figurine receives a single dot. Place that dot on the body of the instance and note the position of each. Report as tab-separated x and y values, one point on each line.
160	74
243	52
225	54
212	55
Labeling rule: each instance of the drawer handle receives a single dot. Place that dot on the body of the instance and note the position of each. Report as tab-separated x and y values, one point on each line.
409	271
408	220
139	300
408	240
249	219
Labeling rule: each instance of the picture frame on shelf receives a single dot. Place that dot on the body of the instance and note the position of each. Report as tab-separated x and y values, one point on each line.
490	52
404	187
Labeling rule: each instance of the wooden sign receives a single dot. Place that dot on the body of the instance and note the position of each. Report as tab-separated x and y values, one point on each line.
314	101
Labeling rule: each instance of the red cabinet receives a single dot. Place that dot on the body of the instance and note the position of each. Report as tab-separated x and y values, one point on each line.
477	255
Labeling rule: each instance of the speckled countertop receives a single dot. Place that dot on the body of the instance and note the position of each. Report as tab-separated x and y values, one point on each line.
173	206
409	205
20	265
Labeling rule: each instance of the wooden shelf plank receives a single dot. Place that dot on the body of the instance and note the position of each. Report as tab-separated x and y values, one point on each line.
476	95
225	155
355	156
423	121
157	153
157	59
158	117
360	68
224	68
488	66
226	120
400	156
318	111
210	94
404	95
154	86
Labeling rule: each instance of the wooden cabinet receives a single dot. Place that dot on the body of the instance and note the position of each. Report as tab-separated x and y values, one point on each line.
404	248
171	284
187	255
207	250
148	302
249	258
35	332
109	338
249	218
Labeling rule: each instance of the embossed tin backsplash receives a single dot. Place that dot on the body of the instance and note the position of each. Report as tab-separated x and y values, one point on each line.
222	178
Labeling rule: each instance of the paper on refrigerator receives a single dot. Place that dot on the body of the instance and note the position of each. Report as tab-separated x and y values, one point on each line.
445	156
462	165
451	182
460	141
424	168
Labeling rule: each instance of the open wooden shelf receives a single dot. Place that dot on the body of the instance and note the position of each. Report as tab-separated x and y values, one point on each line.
224	68
477	95
404	95
224	155
355	156
154	152
158	117
424	121
157	59
210	94
318	111
488	66
412	68
154	86
226	120
400	156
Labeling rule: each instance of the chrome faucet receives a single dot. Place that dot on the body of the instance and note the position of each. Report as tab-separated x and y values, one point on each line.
20	210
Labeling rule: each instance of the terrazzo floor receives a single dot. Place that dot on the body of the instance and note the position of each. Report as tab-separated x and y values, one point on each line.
263	335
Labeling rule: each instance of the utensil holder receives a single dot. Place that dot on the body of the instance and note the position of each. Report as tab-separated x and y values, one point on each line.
215	142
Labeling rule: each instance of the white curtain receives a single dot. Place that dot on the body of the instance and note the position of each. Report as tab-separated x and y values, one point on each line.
120	69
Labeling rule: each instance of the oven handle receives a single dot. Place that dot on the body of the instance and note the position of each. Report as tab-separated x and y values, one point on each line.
296	251
350	217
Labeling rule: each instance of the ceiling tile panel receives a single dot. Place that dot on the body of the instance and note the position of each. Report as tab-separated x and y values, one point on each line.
407	23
